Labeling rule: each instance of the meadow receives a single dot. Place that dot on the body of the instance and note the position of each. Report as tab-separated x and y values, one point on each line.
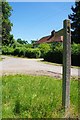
27	96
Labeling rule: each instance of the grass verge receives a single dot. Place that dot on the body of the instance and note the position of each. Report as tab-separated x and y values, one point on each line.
35	97
0	59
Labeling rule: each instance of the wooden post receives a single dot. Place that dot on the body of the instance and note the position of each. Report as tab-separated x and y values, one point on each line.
66	66
0	56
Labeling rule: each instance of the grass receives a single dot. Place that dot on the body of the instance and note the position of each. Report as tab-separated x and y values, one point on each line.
0	59
35	97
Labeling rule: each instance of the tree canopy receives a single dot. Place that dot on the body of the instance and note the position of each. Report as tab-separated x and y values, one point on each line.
75	24
7	38
22	41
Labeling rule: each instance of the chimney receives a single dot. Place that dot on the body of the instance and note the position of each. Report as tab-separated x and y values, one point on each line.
52	33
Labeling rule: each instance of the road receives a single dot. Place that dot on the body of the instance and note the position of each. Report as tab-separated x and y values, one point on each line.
14	65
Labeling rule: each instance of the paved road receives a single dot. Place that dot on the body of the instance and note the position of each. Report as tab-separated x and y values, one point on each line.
11	65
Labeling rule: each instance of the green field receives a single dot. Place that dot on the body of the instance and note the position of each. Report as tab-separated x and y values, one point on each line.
26	96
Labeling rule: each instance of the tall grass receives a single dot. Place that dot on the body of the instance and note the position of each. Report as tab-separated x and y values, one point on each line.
35	97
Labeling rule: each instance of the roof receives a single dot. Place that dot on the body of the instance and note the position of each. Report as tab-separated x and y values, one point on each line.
57	37
43	39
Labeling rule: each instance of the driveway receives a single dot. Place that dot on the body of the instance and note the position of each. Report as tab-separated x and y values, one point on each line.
13	65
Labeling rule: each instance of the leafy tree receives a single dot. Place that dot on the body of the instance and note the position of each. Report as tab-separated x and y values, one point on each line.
22	41
33	41
75	25
0	23
7	39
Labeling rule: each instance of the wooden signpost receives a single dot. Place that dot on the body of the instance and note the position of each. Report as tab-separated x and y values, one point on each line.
66	66
66	33
0	56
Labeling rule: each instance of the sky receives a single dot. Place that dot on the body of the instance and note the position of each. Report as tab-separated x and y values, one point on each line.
33	20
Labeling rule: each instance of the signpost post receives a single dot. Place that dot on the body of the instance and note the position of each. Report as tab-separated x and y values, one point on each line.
0	56
66	66
66	33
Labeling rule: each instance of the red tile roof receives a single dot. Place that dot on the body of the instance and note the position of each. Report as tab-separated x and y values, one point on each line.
54	37
47	39
43	39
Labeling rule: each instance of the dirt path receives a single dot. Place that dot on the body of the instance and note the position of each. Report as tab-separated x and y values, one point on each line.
12	65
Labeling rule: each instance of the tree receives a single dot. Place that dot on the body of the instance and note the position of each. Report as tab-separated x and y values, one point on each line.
33	41
7	38
22	41
75	24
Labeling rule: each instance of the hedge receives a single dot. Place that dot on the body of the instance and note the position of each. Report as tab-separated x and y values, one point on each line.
44	48
7	50
32	53
56	55
21	51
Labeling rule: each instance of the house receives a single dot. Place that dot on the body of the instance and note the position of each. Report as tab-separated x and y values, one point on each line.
54	37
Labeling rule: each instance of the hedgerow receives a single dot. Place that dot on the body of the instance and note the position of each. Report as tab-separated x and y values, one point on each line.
7	50
56	55
32	53
21	51
51	53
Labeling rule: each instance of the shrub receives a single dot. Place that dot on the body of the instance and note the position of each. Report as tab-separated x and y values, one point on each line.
75	54
56	45
56	55
28	45
75	49
53	56
17	51
16	44
6	50
32	53
44	48
21	51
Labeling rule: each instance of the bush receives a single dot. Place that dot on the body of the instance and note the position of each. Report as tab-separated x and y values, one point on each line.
53	56
44	48
16	44
56	55
32	53
20	51
28	45
75	54
75	49
56	45
6	50
16	51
